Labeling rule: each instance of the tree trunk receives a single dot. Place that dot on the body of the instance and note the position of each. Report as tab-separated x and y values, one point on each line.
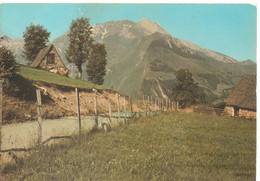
79	71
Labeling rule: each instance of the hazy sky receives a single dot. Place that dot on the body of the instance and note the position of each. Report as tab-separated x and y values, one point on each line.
228	29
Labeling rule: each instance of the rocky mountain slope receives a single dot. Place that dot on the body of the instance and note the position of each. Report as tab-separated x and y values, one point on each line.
143	59
15	45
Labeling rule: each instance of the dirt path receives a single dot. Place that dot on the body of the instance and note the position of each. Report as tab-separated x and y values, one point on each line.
24	135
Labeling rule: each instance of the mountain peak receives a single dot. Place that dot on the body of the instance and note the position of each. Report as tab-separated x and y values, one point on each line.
151	27
145	20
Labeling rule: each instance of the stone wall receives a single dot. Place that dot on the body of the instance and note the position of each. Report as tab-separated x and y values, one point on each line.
57	67
247	113
251	114
229	110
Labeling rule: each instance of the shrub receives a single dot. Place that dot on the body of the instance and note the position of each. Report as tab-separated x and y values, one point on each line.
8	65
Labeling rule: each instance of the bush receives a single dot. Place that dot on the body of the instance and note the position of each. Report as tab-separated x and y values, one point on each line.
8	65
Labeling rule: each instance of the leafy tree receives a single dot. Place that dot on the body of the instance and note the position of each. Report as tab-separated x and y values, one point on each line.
8	65
96	66
35	37
185	91
80	43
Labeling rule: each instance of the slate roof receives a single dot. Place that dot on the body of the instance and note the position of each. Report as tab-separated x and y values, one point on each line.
37	61
244	93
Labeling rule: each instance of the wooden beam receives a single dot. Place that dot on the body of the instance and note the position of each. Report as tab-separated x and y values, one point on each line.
39	112
96	110
131	105
118	107
78	110
125	109
109	109
148	105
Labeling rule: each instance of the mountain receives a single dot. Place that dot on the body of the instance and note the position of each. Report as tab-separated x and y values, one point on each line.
143	58
16	46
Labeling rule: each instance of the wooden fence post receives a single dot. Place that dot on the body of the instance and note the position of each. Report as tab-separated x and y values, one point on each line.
96	111
143	101
148	105
159	104
109	109
144	106
162	104
138	106
39	112
166	102
158	108
78	110
125	109
131	105
118	107
1	111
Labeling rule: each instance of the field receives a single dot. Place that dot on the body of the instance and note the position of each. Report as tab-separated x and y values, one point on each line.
172	146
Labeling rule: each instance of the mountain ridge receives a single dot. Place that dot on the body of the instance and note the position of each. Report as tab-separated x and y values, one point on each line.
143	58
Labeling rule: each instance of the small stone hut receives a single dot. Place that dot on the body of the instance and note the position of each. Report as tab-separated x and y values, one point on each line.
49	59
242	101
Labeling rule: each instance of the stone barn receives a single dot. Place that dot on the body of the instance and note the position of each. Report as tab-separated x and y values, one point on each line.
242	101
49	59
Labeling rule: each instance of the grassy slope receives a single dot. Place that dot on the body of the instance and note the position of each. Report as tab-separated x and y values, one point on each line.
44	76
177	146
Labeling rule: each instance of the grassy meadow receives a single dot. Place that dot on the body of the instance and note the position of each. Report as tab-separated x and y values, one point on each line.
171	146
48	77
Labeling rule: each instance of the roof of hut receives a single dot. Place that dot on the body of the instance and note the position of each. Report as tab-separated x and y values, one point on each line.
41	56
244	93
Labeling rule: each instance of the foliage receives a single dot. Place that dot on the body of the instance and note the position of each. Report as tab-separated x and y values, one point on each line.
80	43
35	37
185	91
177	146
8	65
96	66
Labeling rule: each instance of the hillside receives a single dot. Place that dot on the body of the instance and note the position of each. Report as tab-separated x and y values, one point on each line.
175	146
38	75
143	58
58	96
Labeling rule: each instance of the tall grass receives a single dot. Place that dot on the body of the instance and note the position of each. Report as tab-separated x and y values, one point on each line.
175	146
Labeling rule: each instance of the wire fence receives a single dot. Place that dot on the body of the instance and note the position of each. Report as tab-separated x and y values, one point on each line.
105	115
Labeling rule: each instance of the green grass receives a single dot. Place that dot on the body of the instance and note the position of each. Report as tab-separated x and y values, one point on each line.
175	146
48	77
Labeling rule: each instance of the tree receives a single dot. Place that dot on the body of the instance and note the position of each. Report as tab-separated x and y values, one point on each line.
35	37
185	91
80	43
96	66
8	65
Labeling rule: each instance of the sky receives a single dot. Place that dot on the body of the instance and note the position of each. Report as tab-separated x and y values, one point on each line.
225	28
